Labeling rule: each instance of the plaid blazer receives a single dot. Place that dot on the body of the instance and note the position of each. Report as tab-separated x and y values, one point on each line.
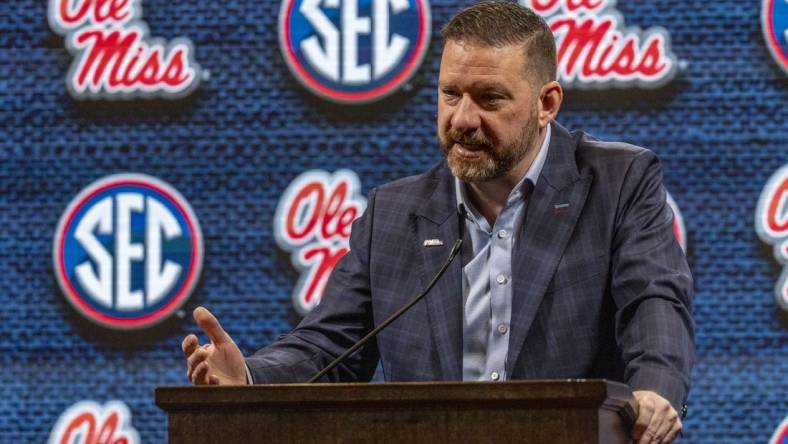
601	288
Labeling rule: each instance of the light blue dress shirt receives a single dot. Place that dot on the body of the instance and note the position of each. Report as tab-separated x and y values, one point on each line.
487	277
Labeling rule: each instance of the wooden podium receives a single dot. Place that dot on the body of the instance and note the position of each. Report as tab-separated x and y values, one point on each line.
563	411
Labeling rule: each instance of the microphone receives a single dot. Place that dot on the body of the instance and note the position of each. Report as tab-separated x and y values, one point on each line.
454	250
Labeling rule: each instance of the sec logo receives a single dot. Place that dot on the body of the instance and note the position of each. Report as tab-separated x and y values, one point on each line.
354	51
774	21
780	436
127	251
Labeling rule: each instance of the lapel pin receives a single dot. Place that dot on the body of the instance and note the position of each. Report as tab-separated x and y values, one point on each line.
433	243
560	209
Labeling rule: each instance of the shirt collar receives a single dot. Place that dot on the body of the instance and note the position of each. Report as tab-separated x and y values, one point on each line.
532	175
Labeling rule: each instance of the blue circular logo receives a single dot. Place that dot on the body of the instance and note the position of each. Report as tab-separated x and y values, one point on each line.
774	21
128	251
354	51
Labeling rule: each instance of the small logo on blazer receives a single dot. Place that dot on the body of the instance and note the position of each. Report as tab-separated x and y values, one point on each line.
560	209
433	243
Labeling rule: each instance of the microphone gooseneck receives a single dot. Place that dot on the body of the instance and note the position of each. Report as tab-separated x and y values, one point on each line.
455	249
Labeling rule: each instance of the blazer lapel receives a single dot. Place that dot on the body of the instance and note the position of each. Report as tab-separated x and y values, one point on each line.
438	219
552	212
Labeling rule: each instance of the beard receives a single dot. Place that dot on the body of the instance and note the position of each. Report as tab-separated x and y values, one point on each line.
493	160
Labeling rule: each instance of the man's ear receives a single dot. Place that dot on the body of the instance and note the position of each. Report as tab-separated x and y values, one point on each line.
550	98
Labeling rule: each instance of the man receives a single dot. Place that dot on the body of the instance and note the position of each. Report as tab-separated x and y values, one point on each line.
569	267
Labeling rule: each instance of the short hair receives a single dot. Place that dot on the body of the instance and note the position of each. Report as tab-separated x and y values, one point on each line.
497	23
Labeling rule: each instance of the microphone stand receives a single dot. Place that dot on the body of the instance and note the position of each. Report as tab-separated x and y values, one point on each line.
455	249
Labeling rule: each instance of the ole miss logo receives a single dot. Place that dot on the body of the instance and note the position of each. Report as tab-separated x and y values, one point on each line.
354	51
774	21
771	224
87	422
678	223
313	221
115	57
596	50
128	251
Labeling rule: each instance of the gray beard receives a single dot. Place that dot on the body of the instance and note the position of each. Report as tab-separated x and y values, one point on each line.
495	162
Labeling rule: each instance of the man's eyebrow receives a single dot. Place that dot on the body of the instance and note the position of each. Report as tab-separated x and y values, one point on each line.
478	86
489	85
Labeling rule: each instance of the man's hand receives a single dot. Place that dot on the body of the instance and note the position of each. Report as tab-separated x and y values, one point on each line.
217	363
657	421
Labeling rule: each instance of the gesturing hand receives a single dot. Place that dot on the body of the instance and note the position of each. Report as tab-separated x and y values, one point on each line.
217	363
657	421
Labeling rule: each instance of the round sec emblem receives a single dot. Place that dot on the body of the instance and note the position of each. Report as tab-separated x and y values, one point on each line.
780	436
128	251
774	21
354	51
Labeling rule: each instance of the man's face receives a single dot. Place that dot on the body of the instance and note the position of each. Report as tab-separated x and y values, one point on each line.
487	110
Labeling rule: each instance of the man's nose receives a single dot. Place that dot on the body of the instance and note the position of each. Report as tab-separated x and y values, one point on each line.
466	115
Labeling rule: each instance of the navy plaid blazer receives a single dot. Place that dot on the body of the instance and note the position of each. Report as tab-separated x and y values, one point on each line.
601	288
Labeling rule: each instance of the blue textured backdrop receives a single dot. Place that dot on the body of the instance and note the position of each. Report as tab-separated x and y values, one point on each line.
232	147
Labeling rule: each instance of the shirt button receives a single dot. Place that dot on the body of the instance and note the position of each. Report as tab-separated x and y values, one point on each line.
495	376
502	234
502	329
501	279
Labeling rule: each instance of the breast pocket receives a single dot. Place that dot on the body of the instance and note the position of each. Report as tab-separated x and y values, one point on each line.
574	270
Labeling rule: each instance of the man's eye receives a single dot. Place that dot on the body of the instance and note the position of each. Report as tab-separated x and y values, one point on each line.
450	95
491	98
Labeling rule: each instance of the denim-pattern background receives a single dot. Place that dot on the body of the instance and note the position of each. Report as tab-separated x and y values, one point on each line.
233	146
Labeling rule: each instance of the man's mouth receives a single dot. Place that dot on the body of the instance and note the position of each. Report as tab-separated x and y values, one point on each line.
470	146
469	150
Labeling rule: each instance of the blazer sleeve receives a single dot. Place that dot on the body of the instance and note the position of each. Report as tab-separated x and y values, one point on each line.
343	316
652	287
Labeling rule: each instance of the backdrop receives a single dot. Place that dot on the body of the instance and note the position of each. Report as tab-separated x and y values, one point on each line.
228	143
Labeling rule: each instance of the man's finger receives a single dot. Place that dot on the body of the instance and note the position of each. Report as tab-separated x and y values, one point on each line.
213	380
189	345
645	412
210	325
200	375
652	434
669	418
674	431
199	356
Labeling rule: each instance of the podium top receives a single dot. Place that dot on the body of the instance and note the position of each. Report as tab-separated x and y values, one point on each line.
592	393
541	412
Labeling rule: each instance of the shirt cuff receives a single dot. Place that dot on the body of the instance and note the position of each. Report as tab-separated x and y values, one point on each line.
249	379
